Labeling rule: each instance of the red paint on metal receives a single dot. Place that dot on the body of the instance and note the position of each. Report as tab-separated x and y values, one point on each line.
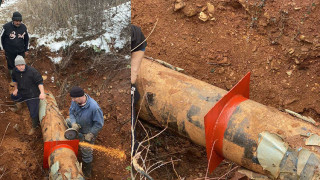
51	146
216	120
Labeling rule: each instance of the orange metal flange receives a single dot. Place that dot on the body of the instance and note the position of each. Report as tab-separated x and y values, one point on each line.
51	146
216	120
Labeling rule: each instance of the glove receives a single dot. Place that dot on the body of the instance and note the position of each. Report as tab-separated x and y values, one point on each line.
133	89
76	126
88	137
135	95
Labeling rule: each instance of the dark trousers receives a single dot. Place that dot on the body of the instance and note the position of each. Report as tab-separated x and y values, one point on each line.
33	106
86	152
135	96
11	57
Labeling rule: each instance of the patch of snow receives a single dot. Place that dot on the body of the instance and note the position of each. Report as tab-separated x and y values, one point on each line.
56	60
7	3
51	41
120	18
117	19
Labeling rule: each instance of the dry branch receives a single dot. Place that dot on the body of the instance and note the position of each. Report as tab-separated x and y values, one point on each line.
4	133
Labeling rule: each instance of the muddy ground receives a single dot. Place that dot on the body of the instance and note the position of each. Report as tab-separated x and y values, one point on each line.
104	78
277	41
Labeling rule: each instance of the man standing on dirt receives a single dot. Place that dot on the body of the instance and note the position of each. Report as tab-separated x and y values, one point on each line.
28	86
14	40
138	46
87	118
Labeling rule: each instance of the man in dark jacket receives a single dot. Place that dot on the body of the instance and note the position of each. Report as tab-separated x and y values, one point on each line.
28	86
138	46
14	40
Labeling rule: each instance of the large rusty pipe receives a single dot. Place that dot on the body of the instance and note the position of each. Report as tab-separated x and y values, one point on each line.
59	152
254	136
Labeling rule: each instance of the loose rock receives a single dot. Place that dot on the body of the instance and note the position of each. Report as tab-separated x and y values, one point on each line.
179	4
190	11
291	51
210	8
203	17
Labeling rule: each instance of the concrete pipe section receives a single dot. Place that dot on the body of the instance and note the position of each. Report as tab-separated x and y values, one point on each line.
59	153
229	124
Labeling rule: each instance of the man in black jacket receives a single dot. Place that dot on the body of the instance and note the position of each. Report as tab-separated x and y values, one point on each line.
28	86
14	40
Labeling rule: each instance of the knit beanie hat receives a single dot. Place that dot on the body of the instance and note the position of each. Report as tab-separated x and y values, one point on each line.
16	16
19	60
76	92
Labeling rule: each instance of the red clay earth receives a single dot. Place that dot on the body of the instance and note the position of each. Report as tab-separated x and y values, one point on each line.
278	42
108	82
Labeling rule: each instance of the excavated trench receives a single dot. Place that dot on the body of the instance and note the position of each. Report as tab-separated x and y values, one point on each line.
22	155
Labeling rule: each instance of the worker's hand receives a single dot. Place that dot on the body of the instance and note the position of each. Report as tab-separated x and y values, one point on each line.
15	92
88	137
76	126
42	96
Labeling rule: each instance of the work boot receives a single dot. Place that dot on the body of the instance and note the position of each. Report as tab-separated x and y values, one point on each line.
86	169
31	132
35	122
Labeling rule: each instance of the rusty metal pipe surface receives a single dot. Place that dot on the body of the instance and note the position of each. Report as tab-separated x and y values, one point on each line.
62	160
254	131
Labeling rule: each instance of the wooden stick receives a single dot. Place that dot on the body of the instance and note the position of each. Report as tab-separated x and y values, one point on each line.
308	119
4	133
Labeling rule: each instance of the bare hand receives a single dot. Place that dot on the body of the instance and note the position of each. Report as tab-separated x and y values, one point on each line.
42	96
15	92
